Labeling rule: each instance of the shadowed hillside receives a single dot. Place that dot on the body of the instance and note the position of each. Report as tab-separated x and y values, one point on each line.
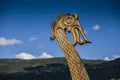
56	69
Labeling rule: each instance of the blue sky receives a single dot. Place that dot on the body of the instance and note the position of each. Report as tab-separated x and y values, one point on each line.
25	27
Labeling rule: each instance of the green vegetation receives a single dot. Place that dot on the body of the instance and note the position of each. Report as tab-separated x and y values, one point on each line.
56	69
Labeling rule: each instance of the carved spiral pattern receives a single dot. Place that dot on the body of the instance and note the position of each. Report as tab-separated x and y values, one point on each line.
68	21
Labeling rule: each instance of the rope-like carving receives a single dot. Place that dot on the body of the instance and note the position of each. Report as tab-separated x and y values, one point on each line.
59	27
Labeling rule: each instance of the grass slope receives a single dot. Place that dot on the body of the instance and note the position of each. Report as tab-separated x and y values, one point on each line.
56	69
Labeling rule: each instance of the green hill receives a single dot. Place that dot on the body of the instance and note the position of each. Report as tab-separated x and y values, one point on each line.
56	69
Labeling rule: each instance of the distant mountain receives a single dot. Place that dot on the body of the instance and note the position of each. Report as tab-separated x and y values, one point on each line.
56	69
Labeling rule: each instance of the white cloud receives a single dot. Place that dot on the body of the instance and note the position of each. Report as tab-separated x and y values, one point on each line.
96	27
45	55
25	55
106	59
113	57
28	56
5	42
33	38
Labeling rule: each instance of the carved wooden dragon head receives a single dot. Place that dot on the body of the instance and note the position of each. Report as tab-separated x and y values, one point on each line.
70	23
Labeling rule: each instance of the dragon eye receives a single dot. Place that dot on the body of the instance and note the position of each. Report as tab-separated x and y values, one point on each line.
68	21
